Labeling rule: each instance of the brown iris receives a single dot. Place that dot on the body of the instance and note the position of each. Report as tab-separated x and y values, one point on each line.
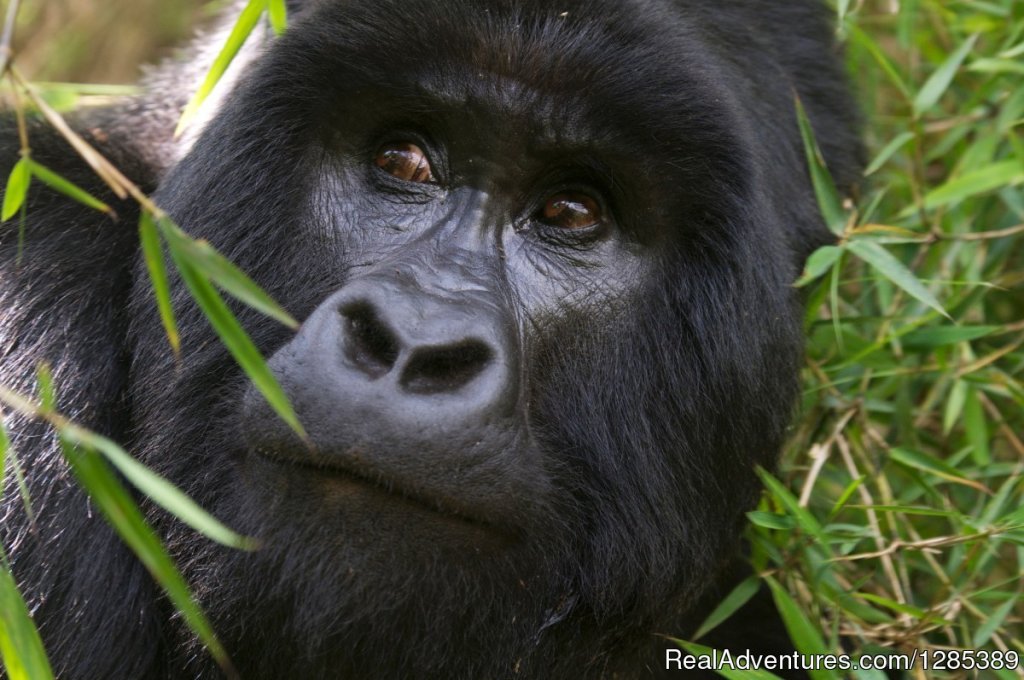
571	211
406	161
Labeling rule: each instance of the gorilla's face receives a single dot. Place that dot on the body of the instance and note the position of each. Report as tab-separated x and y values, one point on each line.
547	334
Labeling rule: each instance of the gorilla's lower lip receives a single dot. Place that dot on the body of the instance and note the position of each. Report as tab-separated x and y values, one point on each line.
378	481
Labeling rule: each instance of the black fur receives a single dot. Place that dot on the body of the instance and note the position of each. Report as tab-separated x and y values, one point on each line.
658	367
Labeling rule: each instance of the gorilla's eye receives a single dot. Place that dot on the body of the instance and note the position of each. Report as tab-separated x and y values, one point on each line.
406	161
571	211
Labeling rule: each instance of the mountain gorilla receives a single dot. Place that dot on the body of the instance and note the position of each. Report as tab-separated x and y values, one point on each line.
543	255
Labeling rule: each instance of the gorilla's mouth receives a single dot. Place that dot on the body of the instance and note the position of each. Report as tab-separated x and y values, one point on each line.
318	468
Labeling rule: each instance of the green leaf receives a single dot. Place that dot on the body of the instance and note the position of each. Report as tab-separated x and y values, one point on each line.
820	261
887	151
982	180
939	336
977	428
994	620
907	609
940	80
739	596
909	510
235	338
802	632
240	32
771	520
939	468
785	497
845	496
17	189
223	273
894	270
21	648
997	66
150	483
278	12
154	256
69	189
125	517
954	405
868	43
829	203
158	489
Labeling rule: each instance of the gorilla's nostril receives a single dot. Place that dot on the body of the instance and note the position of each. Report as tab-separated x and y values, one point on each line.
445	369
369	343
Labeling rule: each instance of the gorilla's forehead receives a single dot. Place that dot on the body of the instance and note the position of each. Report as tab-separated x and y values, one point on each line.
585	68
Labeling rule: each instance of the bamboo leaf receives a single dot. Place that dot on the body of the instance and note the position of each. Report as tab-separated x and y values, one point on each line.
980	181
920	461
154	257
124	516
21	648
155	487
868	43
887	151
977	428
954	405
738	597
240	32
17	189
829	203
993	621
235	338
939	82
785	497
278	12
771	520
886	264
802	632
69	189
223	273
940	336
820	261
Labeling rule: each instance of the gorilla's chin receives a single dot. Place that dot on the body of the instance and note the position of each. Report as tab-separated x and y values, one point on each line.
362	502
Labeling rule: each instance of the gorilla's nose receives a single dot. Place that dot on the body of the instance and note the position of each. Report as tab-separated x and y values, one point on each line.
399	374
429	345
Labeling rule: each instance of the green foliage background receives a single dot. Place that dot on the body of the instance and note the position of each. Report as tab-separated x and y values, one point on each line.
899	517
